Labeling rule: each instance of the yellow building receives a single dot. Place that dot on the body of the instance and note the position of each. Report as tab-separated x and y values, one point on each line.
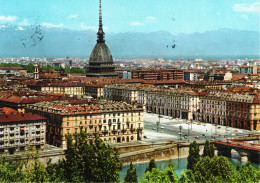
114	122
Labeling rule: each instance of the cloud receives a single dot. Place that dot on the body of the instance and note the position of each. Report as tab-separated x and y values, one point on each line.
254	7
244	16
7	18
94	28
73	16
49	25
25	22
136	23
150	18
86	27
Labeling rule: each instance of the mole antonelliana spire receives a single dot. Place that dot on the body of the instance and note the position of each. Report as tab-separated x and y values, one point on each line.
101	60
100	30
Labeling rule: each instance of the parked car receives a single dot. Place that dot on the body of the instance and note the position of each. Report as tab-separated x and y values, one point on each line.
196	137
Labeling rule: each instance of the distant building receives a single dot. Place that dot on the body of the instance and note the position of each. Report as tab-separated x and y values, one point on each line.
190	75
161	74
64	88
12	70
251	69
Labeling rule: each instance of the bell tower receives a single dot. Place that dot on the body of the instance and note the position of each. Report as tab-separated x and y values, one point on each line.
36	71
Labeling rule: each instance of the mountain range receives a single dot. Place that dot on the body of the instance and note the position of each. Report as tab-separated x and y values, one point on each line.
39	41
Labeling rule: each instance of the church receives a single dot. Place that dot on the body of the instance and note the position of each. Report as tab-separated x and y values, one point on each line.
101	61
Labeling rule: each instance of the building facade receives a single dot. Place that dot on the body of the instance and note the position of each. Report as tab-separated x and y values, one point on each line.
114	122
20	130
161	74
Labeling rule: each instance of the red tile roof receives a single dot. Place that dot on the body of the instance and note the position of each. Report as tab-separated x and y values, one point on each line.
20	117
164	82
7	111
28	100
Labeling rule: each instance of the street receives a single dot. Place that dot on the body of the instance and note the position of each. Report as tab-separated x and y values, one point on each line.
184	131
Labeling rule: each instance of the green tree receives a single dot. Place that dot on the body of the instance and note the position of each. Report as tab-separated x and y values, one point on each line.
248	173
233	71
151	165
216	169
194	155
187	176
170	171
208	150
131	175
29	68
55	171
157	175
7	171
91	162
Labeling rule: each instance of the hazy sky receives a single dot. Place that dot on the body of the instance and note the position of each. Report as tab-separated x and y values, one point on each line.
176	16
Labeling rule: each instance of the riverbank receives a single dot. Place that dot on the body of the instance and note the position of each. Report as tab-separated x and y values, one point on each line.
180	165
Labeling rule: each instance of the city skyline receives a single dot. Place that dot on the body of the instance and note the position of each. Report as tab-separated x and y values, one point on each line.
148	16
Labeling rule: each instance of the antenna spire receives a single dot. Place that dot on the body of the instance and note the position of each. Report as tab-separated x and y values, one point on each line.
100	30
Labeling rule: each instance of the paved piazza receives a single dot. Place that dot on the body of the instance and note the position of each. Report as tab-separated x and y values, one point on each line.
169	130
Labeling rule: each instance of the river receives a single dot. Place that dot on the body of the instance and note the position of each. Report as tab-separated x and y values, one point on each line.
180	164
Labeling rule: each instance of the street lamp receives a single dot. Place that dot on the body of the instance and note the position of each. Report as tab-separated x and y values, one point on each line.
188	128
180	132
158	122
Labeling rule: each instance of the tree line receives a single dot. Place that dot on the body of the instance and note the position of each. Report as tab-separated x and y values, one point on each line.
30	68
91	160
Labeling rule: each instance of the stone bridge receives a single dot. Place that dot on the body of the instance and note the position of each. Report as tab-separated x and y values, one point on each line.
247	151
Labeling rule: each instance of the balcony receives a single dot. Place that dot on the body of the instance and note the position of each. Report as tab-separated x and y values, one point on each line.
123	131
140	129
132	130
114	131
105	132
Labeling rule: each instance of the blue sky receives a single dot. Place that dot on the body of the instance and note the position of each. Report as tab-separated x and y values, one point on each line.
176	16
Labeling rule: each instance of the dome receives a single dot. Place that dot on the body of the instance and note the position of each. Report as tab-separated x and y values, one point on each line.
101	53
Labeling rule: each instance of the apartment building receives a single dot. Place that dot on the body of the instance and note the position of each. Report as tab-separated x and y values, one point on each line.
114	122
20	130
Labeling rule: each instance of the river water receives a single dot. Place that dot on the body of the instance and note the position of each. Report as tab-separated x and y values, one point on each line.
180	164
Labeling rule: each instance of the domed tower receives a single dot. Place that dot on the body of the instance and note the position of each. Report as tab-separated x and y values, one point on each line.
101	61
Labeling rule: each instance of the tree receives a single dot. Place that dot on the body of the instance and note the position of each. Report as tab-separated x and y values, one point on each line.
194	155
248	173
157	175
92	161
187	177
151	165
131	174
170	171
216	169
29	68
208	150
